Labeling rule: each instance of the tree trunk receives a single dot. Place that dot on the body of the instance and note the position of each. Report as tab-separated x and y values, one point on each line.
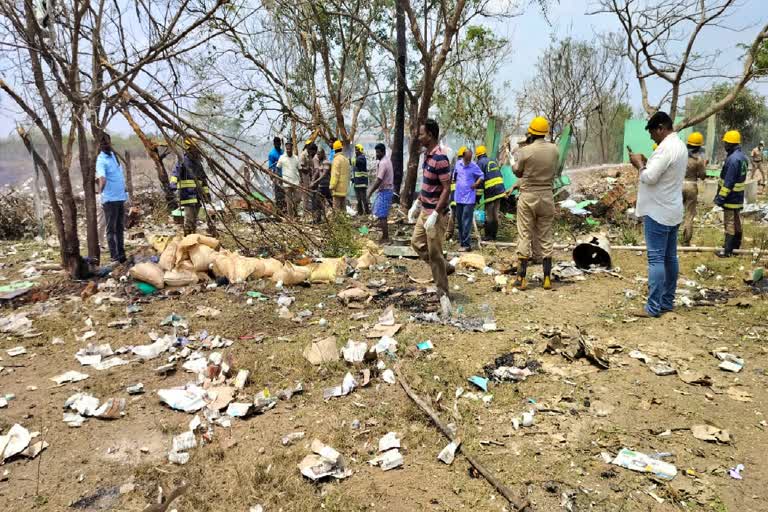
397	147
418	117
128	174
88	172
64	214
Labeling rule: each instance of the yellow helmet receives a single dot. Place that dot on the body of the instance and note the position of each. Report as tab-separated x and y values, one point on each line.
480	151
696	139
461	151
539	126
732	137
360	148
337	146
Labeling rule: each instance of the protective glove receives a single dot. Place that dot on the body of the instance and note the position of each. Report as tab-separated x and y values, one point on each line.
413	212
719	200
429	224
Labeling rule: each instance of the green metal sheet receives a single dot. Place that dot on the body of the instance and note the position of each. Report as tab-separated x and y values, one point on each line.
637	137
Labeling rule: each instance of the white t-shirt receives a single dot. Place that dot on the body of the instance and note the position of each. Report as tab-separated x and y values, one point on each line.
290	167
660	192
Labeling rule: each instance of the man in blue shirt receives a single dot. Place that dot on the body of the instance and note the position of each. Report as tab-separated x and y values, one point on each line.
111	186
274	156
469	177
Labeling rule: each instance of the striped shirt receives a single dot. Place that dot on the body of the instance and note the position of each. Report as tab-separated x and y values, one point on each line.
437	176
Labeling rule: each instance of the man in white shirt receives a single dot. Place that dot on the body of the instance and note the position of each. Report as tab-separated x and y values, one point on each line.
660	203
289	165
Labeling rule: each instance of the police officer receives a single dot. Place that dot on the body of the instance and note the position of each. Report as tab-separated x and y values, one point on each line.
536	168
696	170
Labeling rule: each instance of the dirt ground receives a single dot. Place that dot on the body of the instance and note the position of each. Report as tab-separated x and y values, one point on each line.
556	464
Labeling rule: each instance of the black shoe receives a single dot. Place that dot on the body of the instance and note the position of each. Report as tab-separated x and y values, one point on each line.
727	251
522	268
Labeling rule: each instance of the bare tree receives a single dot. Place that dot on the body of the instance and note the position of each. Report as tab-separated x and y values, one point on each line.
577	83
662	44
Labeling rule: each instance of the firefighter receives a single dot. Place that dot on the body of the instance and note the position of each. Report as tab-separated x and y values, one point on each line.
192	183
493	189
360	181
696	170
536	168
731	195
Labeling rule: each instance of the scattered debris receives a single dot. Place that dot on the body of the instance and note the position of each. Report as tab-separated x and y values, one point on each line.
70	376
730	362
735	472
448	453
711	434
480	382
322	351
323	462
14	442
642	463
291	438
354	352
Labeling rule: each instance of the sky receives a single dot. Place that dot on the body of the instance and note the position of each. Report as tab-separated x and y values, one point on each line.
530	33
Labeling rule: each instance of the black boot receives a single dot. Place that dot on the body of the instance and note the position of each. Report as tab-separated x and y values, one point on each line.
491	227
727	252
522	268
547	263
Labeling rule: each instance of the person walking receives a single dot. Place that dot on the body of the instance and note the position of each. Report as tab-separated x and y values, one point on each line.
536	168
111	186
274	155
360	180
192	183
429	231
730	197
339	177
469	178
288	163
695	170
383	185
660	204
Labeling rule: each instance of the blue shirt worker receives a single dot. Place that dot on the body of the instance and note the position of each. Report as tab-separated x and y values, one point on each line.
360	181
190	179
111	186
469	178
274	155
731	194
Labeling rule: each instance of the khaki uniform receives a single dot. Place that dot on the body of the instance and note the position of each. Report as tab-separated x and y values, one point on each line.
430	249
695	171
758	166
305	175
536	166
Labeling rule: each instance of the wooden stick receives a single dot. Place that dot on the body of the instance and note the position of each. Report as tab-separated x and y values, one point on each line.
517	503
561	247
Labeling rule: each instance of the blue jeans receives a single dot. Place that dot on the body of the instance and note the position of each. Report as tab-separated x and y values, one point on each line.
661	242
464	213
